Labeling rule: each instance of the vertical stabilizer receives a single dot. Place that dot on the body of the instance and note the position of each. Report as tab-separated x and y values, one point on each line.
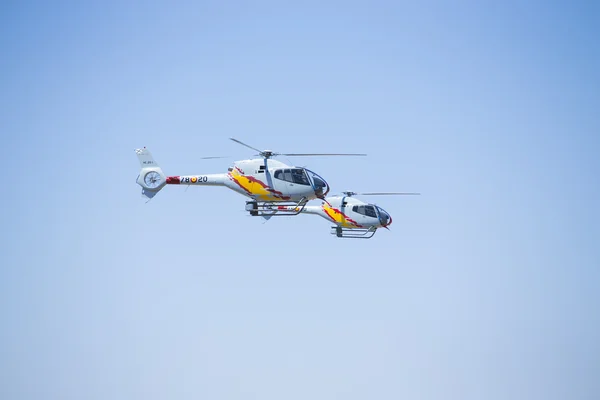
151	177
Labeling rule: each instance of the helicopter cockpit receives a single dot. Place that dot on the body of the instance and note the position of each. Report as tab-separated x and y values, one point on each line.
373	211
293	175
303	176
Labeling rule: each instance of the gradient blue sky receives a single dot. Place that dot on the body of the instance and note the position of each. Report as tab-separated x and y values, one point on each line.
486	287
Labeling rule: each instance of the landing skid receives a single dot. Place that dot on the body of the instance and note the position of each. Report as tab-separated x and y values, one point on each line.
354	233
275	209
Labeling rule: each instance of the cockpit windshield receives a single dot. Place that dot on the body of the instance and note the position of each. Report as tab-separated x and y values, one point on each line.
384	218
319	185
373	211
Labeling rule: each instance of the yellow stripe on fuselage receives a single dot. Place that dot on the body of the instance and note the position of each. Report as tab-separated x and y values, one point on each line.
339	217
254	187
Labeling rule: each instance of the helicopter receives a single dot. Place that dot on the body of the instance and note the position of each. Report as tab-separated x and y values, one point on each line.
273	187
352	217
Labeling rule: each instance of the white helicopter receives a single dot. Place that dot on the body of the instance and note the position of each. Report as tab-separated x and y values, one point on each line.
269	183
352	217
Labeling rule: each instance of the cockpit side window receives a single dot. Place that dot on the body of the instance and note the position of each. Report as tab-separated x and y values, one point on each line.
368	211
279	174
287	175
299	177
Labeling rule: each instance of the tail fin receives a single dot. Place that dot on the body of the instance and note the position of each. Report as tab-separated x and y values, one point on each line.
151	177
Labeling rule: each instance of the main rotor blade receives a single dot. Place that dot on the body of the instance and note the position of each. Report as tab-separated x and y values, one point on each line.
210	158
388	194
244	144
319	154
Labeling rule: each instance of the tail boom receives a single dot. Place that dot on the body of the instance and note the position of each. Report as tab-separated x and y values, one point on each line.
198	180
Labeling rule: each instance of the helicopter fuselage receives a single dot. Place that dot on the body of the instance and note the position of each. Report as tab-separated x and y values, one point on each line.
351	213
263	180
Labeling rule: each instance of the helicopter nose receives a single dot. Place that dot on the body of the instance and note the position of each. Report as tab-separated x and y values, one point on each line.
321	187
385	221
384	218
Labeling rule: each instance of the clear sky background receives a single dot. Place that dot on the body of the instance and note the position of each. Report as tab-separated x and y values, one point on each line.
486	287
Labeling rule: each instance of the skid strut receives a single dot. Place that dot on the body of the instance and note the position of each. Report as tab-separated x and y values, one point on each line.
354	233
274	209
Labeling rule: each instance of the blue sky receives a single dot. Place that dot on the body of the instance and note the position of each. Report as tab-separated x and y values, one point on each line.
485	287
